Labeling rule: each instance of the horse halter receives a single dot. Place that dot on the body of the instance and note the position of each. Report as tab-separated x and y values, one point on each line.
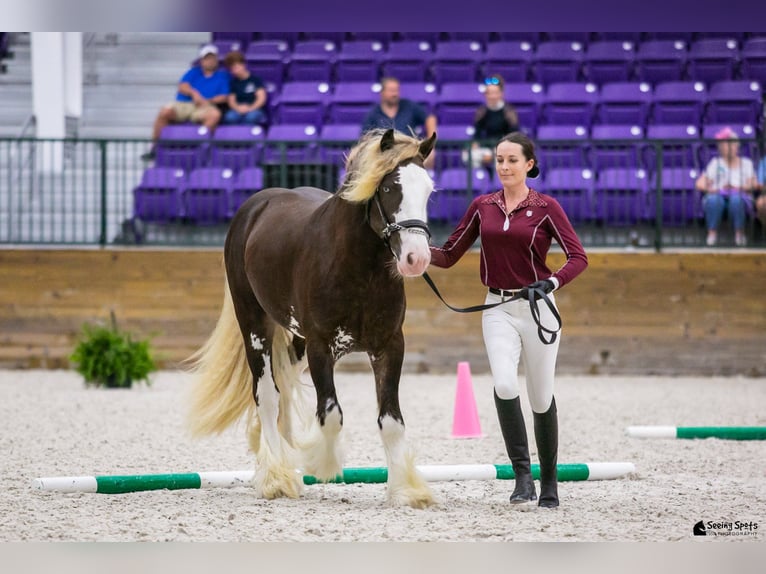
410	225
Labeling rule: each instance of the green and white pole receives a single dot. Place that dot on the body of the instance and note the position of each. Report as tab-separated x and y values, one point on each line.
372	475
730	433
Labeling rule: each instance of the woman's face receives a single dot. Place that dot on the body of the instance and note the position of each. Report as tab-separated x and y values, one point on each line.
493	94
728	149
511	165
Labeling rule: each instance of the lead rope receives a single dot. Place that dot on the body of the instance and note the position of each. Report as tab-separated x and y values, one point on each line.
532	295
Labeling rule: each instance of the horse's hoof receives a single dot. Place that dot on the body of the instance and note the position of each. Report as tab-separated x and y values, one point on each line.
417	500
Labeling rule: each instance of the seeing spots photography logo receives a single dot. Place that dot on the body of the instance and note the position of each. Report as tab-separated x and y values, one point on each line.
725	528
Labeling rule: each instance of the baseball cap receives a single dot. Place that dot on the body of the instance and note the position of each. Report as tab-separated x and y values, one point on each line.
726	134
208	49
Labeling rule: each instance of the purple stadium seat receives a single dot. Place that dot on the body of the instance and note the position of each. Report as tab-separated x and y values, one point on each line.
624	103
312	61
570	103
336	140
581	37
679	102
359	61
424	93
753	58
528	99
237	147
351	101
685	37
184	146
335	37
290	37
634	37
303	102
511	60
481	37
457	102
244	38
453	143
533	38
227	45
207	195
291	143
681	202
562	146
676	144
407	61
558	61
456	61
454	192
383	37
736	101
620	196
247	182
609	61
713	59
573	189
158	197
430	37
661	61
616	146
267	59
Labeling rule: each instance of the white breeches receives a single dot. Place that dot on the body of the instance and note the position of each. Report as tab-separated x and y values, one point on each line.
510	332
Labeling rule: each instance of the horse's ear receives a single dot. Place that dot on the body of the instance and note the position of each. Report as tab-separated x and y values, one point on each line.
427	146
387	141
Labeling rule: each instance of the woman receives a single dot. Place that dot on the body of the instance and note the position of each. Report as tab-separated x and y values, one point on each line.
516	226
492	121
727	184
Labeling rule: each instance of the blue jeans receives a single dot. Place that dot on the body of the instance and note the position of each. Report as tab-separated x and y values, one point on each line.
714	205
250	118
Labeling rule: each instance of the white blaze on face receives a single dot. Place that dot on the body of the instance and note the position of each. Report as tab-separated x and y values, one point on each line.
416	186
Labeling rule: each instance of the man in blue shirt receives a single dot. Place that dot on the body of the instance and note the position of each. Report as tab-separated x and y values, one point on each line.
399	113
200	91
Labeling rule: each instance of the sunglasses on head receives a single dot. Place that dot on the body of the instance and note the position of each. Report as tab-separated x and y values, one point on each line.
492	81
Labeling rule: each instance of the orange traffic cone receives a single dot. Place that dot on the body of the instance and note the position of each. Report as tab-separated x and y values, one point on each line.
465	422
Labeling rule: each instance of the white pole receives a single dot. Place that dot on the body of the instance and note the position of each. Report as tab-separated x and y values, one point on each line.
651	431
48	98
73	74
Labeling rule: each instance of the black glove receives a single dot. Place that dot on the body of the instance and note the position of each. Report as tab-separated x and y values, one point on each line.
546	286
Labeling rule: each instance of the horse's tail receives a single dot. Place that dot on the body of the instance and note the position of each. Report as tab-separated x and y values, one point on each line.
223	386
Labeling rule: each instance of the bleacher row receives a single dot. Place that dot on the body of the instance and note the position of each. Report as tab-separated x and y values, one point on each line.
612	196
543	59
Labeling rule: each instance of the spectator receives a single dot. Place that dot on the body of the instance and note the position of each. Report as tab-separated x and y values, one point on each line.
399	113
516	226
760	201
493	120
200	91
727	184
247	93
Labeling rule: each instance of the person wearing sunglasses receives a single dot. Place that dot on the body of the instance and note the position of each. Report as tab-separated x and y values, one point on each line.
494	119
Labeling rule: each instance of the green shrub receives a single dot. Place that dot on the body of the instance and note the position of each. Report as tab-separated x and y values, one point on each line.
110	358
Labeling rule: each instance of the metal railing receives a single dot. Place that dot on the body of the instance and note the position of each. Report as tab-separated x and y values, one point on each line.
637	193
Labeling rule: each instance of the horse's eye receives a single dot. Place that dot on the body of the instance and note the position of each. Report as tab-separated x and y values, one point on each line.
386	190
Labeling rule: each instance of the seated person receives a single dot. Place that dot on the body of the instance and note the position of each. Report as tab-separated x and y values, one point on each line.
492	121
727	183
402	114
760	201
247	93
200	91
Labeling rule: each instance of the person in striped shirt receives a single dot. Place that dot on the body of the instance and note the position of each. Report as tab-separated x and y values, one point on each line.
516	226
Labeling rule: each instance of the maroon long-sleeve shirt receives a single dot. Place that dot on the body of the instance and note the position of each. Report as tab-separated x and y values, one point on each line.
513	255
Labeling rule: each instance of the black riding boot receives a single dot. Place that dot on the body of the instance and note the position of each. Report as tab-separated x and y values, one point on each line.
515	435
547	438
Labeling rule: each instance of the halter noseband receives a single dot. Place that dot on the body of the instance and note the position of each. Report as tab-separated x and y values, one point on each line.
410	225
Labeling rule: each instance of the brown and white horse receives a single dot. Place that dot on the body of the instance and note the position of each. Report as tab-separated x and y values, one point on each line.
311	276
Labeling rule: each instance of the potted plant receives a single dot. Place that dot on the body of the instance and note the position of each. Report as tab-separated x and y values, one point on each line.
108	357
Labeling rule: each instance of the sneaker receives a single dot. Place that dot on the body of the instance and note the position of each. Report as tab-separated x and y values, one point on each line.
712	238
739	239
149	156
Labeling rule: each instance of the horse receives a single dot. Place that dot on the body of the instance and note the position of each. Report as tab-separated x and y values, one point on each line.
309	277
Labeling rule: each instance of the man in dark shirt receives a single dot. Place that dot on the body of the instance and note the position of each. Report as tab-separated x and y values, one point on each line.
399	113
247	93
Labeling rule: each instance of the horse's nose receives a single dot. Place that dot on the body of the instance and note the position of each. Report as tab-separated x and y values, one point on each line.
410	259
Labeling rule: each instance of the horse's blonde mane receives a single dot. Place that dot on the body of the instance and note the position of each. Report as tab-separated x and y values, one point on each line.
366	164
